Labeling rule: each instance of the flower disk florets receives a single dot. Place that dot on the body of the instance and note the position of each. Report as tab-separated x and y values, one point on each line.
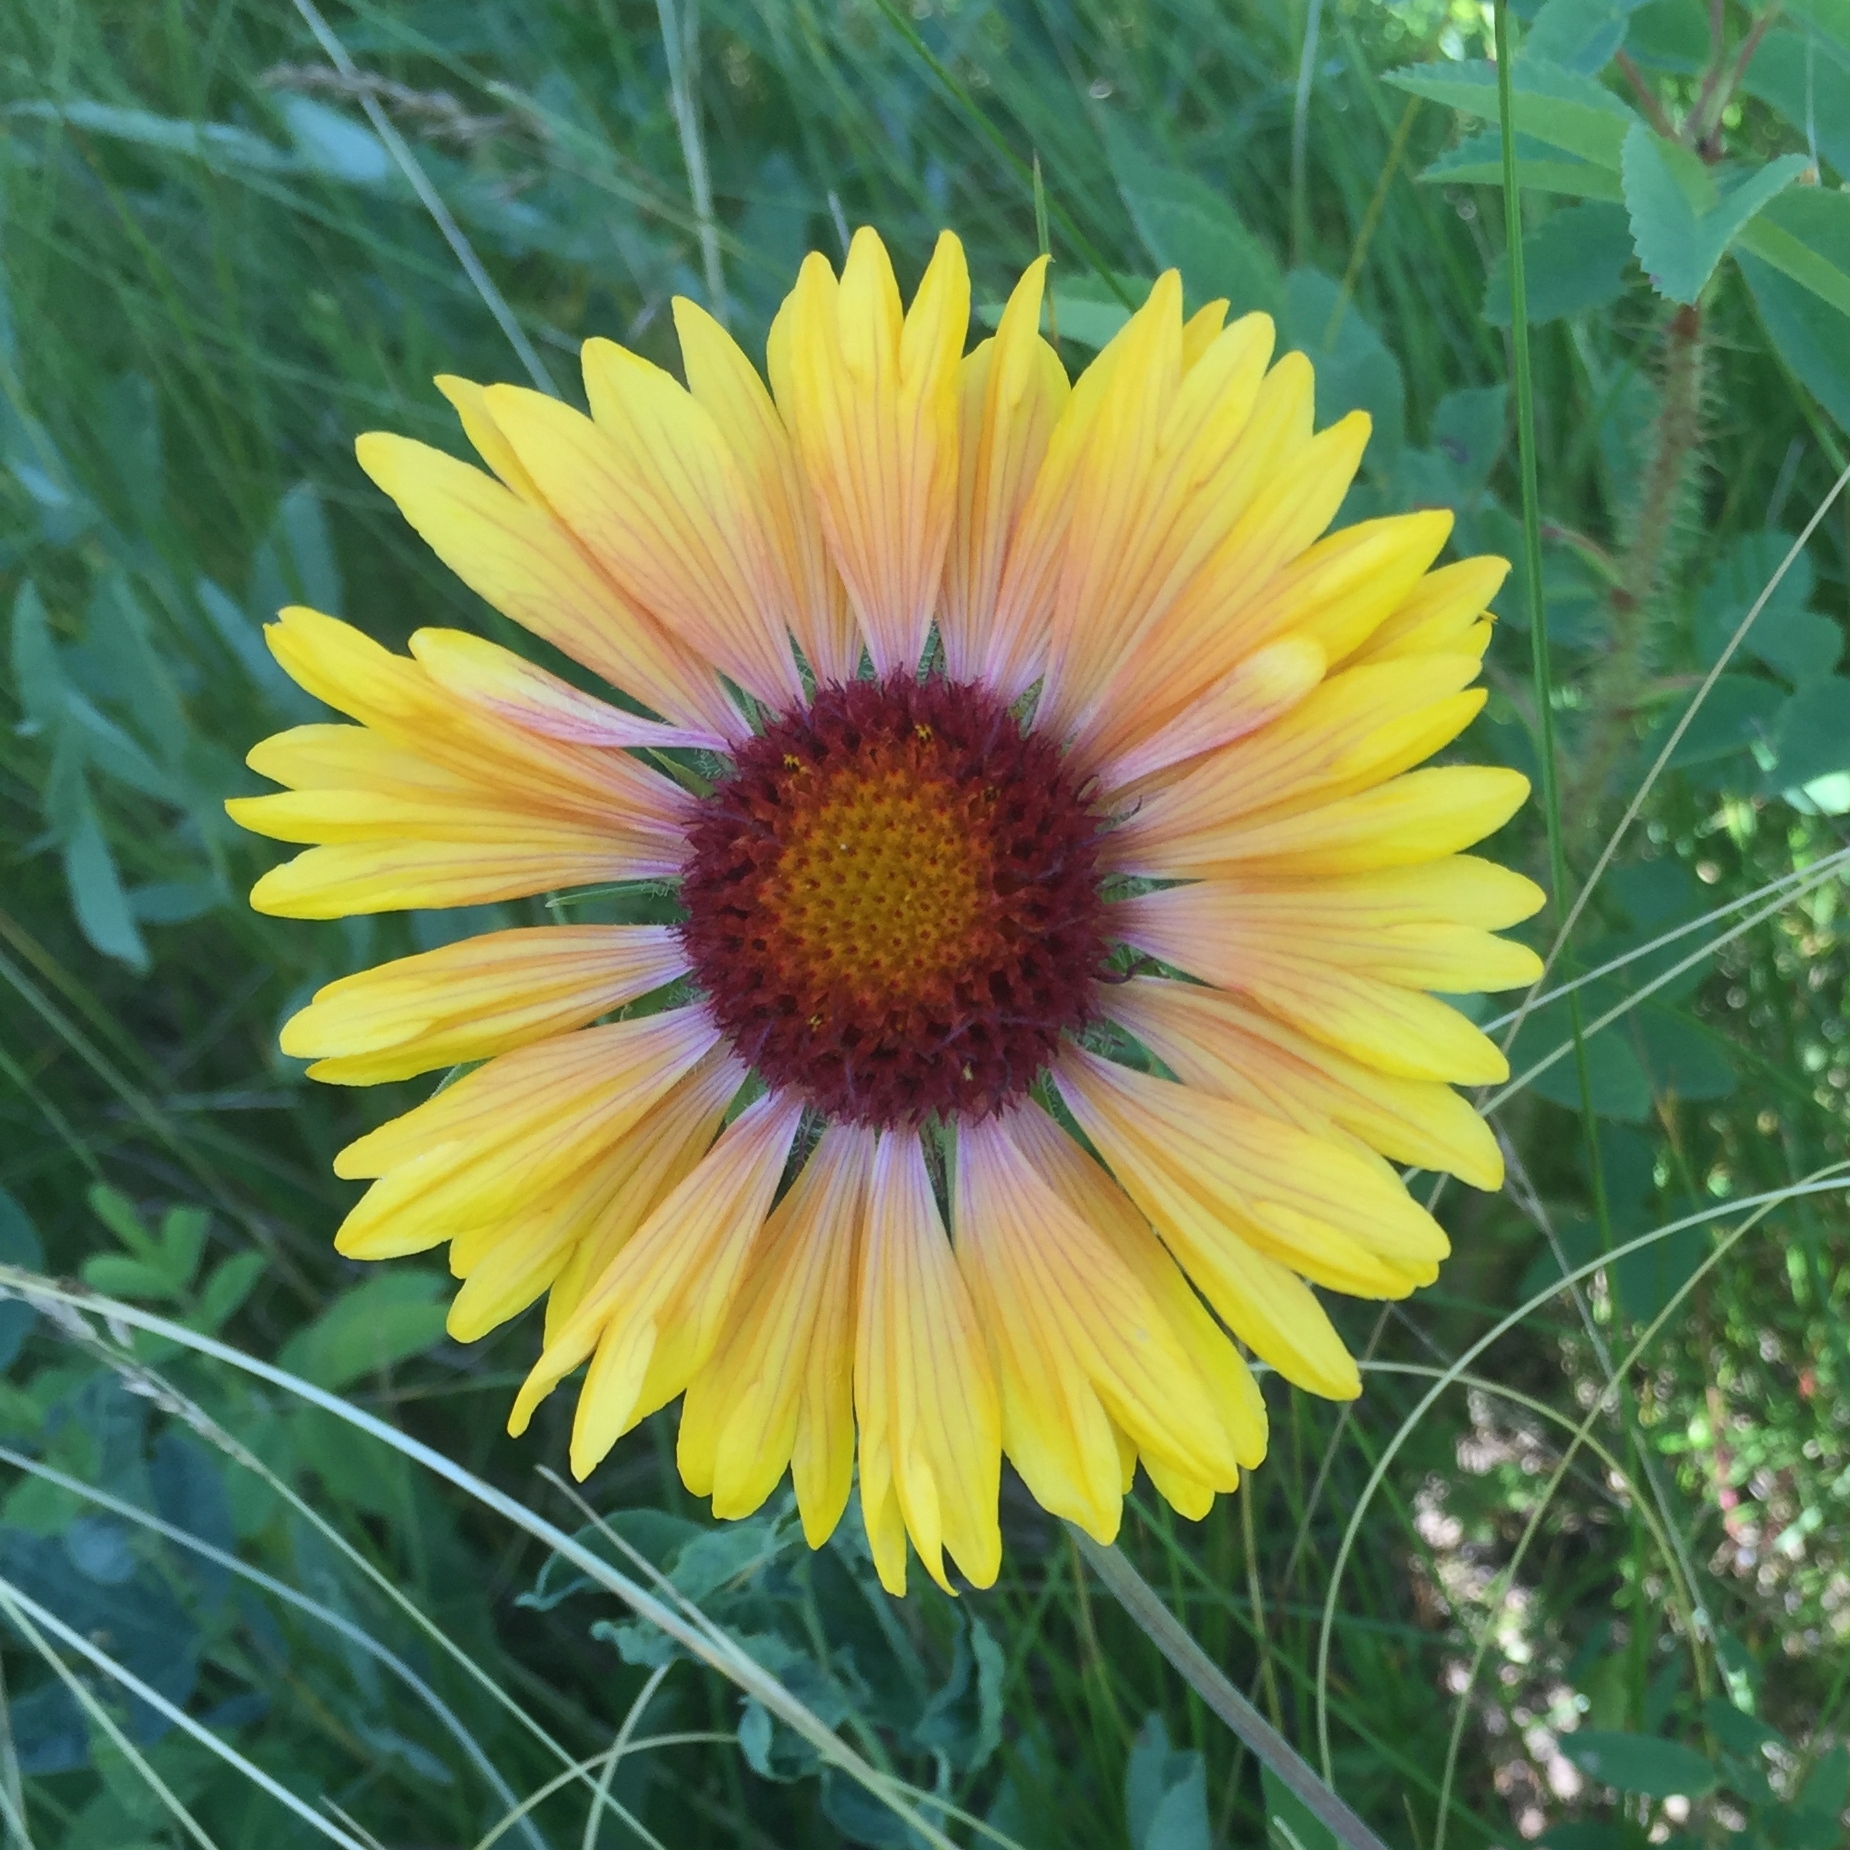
893	902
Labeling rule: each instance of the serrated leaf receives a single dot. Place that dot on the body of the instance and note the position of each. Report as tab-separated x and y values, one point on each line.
1684	215
1563	109
1478	161
384	1321
1188	225
1641	1763
1573	262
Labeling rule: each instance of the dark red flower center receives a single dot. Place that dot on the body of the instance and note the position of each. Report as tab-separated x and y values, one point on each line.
893	902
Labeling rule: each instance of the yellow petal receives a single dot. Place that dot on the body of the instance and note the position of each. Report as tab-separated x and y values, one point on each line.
1247	1202
657	1155
1250	695
1440	612
1011	390
619	1069
499	763
1078	1343
650	492
476	998
812	598
652	1318
924	1389
1092	1194
509	687
1226	1045
470	404
522	560
872	404
779	1388
401	875
1278	933
1164	483
1420	816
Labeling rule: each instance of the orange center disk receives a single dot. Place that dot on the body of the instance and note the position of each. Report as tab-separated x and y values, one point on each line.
884	889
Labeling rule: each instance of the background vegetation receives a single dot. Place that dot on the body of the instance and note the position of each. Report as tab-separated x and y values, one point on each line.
1576	1564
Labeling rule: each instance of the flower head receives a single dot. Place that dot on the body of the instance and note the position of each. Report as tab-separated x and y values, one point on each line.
1047	997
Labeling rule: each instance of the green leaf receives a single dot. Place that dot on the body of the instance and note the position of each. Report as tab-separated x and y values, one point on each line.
1565	110
1811	735
1685	1059
1573	262
117	1276
1738	714
1830	19
1355	371
38	681
1670	35
1616	1083
1577	35
227	1286
1478	161
183	1239
381	1322
1640	1763
1684	214
104	915
1165	1793
123	1219
1187	225
1810	335
1793	641
1803	79
1805	234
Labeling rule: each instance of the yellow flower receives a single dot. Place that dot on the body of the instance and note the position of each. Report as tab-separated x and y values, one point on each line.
1069	786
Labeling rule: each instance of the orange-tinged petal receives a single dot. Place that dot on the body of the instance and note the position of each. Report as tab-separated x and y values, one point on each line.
1441	614
1078	1342
647	488
521	558
924	1388
1092	1194
651	1319
779	1389
872	403
1011	391
1227	1045
812	598
509	687
1417	817
1251	694
1226	1187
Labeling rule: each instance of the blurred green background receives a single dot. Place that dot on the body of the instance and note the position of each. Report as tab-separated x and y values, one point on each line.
215	270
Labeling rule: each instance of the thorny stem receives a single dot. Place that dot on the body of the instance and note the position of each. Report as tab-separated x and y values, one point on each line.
1618	682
